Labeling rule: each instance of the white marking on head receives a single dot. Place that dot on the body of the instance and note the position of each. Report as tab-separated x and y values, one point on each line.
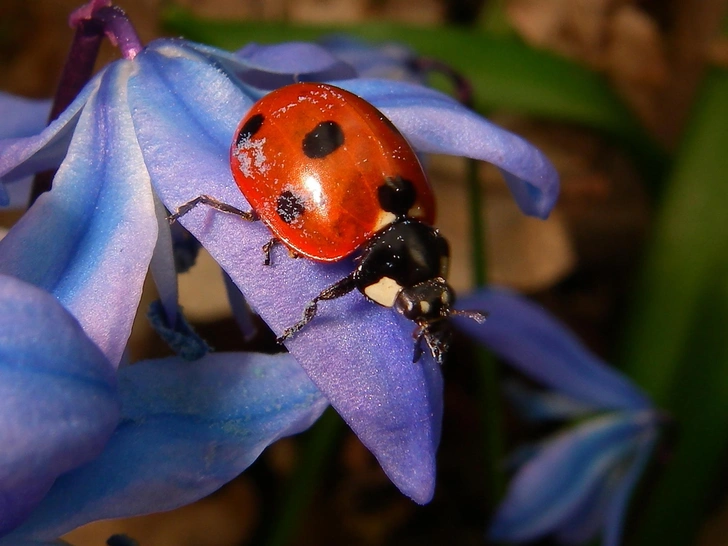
425	307
445	298
385	218
384	292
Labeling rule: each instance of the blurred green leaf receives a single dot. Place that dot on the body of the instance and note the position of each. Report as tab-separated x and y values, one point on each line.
505	72
690	236
676	343
683	494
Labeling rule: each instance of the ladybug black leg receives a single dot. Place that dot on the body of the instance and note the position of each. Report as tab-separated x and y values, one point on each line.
183	209
341	288
266	248
437	335
418	335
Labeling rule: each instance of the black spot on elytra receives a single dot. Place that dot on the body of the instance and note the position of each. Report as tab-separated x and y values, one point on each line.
289	207
324	139
251	127
397	195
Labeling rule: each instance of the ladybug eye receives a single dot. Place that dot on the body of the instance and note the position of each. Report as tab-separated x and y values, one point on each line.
397	195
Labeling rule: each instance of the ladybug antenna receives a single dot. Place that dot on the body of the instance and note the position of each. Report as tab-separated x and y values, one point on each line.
477	316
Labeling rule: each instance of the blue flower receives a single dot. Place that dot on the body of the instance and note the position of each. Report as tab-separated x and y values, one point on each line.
81	442
58	397
390	61
156	129
186	429
578	482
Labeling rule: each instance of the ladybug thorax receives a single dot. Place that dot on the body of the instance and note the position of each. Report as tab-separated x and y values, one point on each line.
401	261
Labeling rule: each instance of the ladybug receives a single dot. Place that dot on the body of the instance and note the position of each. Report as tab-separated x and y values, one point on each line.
331	176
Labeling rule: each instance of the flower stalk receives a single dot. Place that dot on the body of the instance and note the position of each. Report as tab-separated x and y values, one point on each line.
92	22
491	413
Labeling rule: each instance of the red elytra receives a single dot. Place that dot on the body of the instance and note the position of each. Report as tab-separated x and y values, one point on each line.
310	159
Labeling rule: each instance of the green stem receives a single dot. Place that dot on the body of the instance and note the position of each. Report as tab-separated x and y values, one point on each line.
491	416
319	447
491	413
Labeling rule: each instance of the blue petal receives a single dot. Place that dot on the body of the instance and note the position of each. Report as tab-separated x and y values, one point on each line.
289	58
242	312
606	510
273	66
261	68
615	514
389	61
163	267
357	353
551	486
16	196
544	406
436	123
585	521
20	157
89	240
58	401
22	117
187	429
546	351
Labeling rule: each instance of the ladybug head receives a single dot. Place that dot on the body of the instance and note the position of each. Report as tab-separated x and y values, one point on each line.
425	302
429	304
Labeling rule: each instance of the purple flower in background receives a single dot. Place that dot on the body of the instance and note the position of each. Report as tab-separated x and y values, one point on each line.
576	483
